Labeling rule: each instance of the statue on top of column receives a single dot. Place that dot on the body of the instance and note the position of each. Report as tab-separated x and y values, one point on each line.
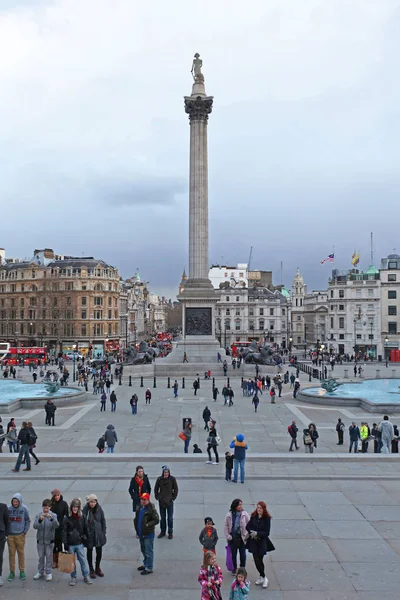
196	68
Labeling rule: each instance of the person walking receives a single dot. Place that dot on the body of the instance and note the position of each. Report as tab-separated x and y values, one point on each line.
19	524
133	402
75	534
147	396
4	526
231	395
146	519
96	533
196	385
60	508
387	431
50	410
187	432
113	400
103	399
212	442
236	533
239	457
166	492
255	401
258	543
32	443
24	441
111	438
354	436
175	388
292	431
46	524
139	485
206	418
340	432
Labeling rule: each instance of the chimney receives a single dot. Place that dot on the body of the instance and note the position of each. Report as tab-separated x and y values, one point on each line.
2	256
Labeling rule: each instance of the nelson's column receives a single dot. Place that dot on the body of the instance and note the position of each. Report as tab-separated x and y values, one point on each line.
198	297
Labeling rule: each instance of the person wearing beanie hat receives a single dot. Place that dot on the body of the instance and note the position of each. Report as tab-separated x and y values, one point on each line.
74	535
166	492
97	530
60	508
239	456
208	537
45	523
146	519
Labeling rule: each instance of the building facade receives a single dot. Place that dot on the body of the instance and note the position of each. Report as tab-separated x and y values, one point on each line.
61	302
354	317
220	274
299	290
390	309
315	315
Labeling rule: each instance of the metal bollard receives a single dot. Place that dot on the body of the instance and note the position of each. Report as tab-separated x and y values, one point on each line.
154	383
112	378
378	373
309	377
346	374
141	381
120	380
227	382
213	383
169	383
242	381
183	383
130	380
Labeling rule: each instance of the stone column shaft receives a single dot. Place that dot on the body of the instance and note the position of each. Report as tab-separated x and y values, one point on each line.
198	201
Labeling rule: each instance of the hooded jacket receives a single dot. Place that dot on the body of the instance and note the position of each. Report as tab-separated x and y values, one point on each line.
46	528
75	531
111	435
19	521
166	489
96	526
239	446
386	428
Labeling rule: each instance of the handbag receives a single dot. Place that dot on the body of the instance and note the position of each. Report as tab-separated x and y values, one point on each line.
308	439
182	436
218	439
66	562
229	562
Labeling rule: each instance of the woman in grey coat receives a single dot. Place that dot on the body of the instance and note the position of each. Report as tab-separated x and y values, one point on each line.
111	438
96	533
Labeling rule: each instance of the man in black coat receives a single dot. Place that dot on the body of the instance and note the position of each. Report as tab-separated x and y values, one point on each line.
4	524
50	409
206	418
139	485
24	441
166	492
354	434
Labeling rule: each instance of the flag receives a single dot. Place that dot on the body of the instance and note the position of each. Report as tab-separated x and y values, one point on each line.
355	259
329	258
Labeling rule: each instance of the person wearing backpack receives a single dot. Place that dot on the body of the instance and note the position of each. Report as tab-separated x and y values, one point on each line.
32	443
340	432
292	431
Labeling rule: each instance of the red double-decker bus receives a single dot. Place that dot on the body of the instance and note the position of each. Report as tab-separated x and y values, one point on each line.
26	356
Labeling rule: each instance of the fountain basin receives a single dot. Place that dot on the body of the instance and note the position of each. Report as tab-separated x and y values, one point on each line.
15	394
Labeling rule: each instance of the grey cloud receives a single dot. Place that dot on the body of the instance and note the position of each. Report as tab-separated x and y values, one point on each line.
156	191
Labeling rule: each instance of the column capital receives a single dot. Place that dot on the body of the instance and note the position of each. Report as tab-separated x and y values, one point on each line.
198	108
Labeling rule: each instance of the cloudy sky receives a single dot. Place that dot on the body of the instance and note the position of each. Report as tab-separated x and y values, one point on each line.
303	139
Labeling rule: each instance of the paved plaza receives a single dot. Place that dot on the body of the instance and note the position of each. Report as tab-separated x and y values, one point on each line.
336	518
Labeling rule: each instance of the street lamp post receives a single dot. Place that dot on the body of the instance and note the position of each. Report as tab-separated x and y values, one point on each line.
305	340
355	340
386	351
322	357
290	344
73	361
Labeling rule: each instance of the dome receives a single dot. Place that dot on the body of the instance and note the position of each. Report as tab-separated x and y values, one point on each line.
298	277
285	292
393	256
372	270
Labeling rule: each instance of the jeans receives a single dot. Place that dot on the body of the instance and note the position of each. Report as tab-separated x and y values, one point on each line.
386	444
164	511
113	406
12	446
355	442
186	445
228	474
242	553
103	405
23	453
293	443
79	550
134	409
236	464
340	437
110	450
147	549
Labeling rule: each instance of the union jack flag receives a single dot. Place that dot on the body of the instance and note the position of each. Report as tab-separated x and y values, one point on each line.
329	258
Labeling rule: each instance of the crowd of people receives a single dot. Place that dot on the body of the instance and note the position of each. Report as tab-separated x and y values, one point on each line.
384	436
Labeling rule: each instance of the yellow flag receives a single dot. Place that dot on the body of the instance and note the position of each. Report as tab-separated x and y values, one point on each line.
355	259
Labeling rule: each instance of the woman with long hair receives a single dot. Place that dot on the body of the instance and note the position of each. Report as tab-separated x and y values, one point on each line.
236	532
212	443
258	543
210	577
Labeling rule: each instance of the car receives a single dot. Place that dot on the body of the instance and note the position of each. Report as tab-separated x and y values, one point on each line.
69	355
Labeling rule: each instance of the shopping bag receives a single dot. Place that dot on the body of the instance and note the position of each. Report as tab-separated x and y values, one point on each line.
229	562
66	562
182	436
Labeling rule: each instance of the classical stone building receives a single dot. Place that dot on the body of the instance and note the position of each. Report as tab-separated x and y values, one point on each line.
315	315
390	309
134	307
62	302
299	290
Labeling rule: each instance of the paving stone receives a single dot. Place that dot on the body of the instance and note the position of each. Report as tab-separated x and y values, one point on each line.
373	576
358	530
361	551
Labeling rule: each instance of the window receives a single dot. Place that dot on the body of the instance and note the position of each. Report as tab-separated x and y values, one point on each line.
271	312
110	314
392	277
110	302
237	312
228	312
70	285
13	287
237	298
341	294
283	312
261	312
271	339
392	327
261	324
371	336
392	310
241	274
341	336
32	301
21	301
98	314
43	301
251	312
98	301
69	300
359	336
299	318
392	294
332	306
83	314
331	293
69	315
251	325
296	302
227	298
341	306
83	300
44	313
12	301
84	287
341	322
227	324
358	293
271	325
21	313
299	340
22	287
237	325
31	314
109	287
83	329
370	292
392	265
